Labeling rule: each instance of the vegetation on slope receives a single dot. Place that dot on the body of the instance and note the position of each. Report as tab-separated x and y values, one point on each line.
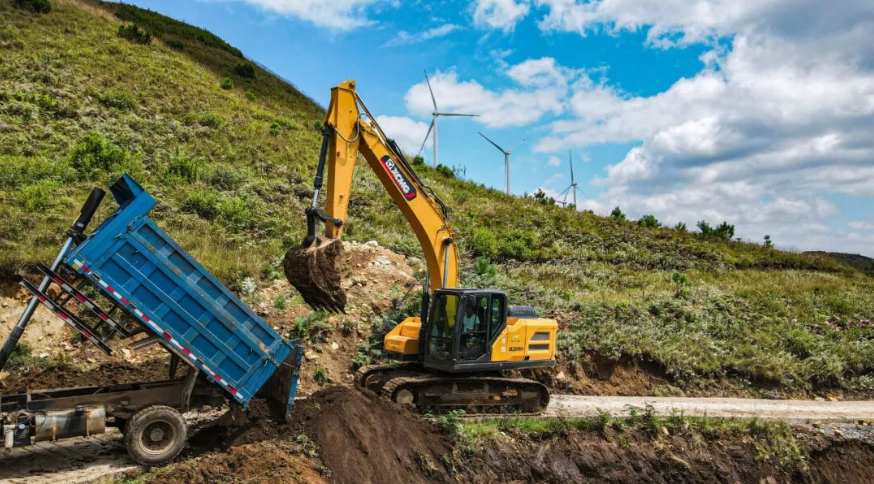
229	151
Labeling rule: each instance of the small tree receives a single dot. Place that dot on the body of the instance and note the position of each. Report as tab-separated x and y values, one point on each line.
724	231
617	214
680	227
768	243
705	228
649	221
418	161
245	70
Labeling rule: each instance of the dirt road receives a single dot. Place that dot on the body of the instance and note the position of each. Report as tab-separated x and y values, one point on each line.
793	411
96	459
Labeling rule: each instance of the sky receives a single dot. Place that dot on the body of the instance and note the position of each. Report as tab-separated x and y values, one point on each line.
758	113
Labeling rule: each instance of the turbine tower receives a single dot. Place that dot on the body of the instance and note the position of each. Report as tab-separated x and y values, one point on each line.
435	115
573	185
506	156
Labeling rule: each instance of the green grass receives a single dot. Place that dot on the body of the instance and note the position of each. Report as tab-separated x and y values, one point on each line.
232	172
772	439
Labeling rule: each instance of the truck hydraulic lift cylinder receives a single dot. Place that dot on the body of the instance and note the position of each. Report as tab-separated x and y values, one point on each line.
75	235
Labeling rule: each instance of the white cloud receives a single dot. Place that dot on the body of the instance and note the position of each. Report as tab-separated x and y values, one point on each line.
861	225
406	38
333	14
408	133
542	89
553	161
500	14
758	138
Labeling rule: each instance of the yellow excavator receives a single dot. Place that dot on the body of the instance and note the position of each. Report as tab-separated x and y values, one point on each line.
454	354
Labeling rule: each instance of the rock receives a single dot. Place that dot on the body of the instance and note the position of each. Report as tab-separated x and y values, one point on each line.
372	243
43	356
819	399
310	356
126	353
335	346
276	328
666	431
89	360
561	376
5	304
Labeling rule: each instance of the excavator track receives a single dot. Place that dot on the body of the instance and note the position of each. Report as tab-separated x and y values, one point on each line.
374	377
474	393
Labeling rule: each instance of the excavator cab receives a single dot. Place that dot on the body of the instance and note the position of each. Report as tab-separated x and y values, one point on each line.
461	329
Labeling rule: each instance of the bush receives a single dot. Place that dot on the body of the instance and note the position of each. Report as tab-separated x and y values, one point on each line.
680	227
38	196
518	244
184	167
93	156
227	84
134	34
445	171
202	202
649	221
617	214
175	44
235	212
418	161
723	231
207	119
251	96
245	70
483	243
117	99
38	6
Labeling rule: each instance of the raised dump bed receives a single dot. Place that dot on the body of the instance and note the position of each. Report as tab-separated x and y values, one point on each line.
177	303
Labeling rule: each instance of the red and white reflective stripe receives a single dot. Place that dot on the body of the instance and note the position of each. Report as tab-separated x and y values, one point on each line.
63	316
166	335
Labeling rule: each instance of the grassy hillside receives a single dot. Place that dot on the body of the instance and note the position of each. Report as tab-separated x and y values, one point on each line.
229	152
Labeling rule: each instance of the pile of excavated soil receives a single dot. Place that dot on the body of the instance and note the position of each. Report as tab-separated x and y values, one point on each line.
360	437
110	373
363	438
261	463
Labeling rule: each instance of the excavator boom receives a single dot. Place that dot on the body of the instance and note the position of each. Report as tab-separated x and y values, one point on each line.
313	269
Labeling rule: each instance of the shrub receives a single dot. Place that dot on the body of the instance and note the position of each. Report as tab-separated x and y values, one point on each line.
235	212
117	99
94	156
723	231
418	161
680	227
542	198
445	171
227	84
321	376
275	129
518	244
202	202
768	243
317	125
38	196
245	70
184	167
649	221
251	96
38	6
175	44
617	214
483	243
207	119
134	34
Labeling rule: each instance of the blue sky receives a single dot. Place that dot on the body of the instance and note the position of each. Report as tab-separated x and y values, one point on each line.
758	113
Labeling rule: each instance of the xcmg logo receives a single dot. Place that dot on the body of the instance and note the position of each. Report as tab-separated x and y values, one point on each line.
400	179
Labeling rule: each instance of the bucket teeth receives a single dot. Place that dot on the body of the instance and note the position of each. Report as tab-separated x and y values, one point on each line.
314	272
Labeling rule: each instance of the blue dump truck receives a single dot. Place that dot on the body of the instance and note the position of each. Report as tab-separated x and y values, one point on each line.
129	279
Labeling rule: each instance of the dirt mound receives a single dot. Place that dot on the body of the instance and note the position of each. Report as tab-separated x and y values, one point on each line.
362	438
111	373
265	462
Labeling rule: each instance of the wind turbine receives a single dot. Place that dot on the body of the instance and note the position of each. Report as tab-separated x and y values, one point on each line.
506	156
573	185
435	115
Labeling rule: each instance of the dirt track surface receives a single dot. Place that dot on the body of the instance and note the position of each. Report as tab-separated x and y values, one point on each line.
792	411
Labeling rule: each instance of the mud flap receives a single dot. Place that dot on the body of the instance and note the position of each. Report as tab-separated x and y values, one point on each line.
314	272
281	387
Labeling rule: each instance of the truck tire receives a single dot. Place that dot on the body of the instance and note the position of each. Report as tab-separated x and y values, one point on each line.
155	435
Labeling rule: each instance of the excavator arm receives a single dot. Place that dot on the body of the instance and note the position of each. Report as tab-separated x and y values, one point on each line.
350	129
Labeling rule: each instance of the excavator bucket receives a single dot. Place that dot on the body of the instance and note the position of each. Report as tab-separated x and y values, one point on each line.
314	272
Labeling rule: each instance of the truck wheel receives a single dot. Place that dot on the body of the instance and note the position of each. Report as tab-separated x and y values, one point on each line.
155	435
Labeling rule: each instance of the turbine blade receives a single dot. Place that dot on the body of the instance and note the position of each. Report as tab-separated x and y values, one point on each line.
426	138
517	145
455	114
431	91
493	143
571	160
